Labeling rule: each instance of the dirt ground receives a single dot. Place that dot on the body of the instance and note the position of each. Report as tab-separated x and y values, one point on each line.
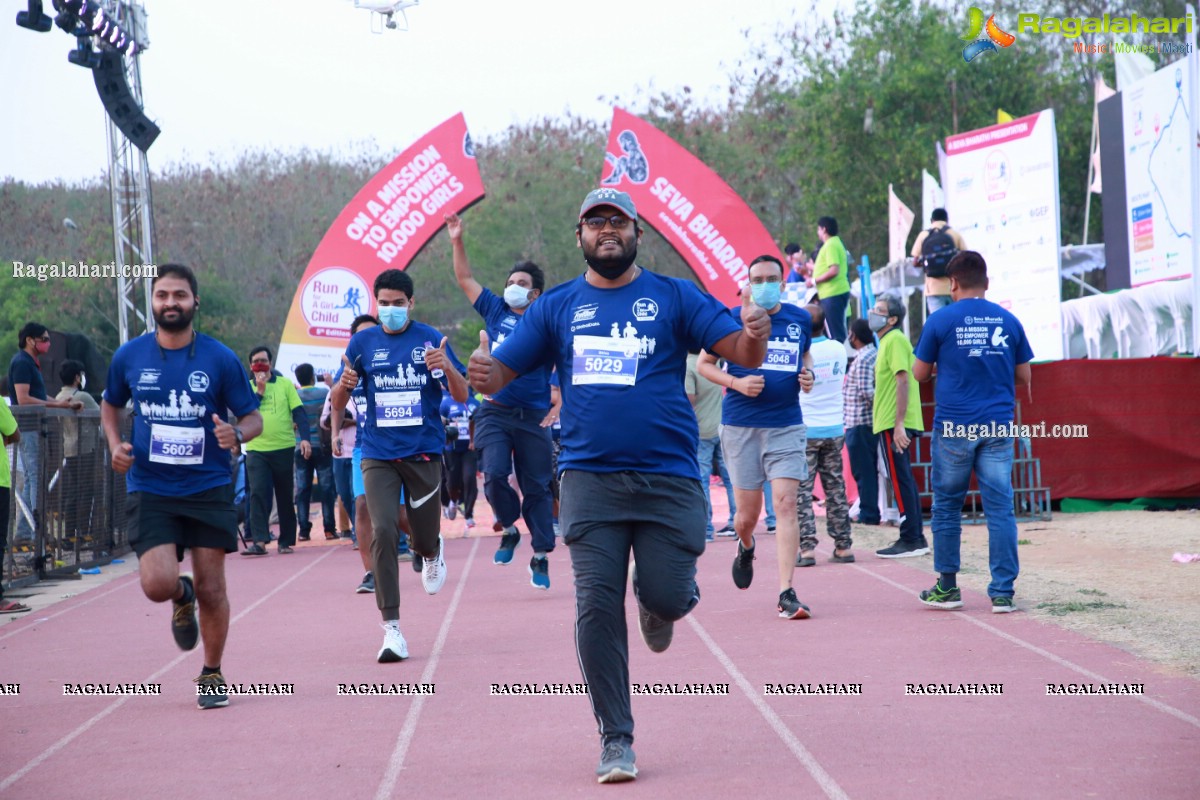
1108	575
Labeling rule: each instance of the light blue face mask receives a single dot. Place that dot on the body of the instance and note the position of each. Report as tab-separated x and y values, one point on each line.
393	317
765	294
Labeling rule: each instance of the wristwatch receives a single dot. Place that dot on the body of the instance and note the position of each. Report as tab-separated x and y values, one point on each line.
237	431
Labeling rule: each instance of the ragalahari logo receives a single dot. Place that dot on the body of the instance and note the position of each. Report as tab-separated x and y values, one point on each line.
992	35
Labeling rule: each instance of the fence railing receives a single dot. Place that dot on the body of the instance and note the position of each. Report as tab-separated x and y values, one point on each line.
66	505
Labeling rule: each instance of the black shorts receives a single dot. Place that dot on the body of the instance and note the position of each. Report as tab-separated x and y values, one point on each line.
204	519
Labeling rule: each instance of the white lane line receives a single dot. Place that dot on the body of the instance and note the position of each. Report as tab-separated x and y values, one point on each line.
1062	662
823	778
82	729
80	604
396	762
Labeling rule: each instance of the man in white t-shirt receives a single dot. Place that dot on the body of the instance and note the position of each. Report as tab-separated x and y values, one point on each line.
823	415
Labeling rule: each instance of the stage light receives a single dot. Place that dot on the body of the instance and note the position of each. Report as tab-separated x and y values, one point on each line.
66	21
83	55
34	19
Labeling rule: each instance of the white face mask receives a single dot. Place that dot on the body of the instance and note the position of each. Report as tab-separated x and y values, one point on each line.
516	296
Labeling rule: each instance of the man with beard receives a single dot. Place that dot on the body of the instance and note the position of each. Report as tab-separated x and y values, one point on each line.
179	473
512	427
619	336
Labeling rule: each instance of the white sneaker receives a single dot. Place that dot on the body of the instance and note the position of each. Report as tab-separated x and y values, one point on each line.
433	574
394	647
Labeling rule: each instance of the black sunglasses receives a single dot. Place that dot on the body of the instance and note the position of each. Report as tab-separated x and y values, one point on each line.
618	221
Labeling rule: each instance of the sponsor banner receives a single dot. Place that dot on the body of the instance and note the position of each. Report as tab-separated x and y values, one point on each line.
387	223
1002	196
1159	195
676	194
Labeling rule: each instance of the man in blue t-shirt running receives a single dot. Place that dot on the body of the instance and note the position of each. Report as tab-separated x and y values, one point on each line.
762	430
404	369
512	426
982	355
177	464
619	336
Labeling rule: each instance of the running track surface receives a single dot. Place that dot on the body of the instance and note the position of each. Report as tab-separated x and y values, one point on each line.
297	620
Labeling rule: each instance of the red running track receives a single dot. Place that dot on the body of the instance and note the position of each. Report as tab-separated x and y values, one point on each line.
297	621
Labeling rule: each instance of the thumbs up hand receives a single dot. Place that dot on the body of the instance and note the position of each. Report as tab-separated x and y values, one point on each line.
226	438
756	322
349	378
435	357
481	369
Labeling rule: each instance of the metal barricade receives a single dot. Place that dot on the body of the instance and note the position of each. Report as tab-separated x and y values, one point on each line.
1031	500
67	506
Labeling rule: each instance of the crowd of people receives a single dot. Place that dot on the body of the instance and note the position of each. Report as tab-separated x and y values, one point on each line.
610	398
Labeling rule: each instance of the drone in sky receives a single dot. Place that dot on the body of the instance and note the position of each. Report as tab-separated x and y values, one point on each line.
383	13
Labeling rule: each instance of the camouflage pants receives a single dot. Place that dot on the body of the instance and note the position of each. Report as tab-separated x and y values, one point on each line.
824	457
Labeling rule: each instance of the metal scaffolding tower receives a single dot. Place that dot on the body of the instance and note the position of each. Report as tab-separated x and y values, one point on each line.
129	188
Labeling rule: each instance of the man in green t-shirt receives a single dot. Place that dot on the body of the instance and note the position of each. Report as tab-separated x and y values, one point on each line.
897	416
8	435
830	277
269	455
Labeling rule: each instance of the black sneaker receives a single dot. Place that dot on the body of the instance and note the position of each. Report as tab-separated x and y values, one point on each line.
945	599
845	558
903	549
743	566
770	529
508	543
790	607
255	549
808	560
184	626
616	763
539	572
656	632
211	691
1003	605
367	586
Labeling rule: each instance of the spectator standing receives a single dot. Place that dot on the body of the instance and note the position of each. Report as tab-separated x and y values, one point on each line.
982	355
79	449
830	276
318	460
705	397
943	243
862	443
824	422
897	416
269	458
26	387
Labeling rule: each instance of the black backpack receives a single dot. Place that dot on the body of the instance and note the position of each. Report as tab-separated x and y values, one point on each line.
937	250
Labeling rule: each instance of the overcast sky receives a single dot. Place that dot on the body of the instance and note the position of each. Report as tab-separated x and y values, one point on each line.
224	76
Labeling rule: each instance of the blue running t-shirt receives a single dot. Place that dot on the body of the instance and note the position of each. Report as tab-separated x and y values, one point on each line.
531	390
175	394
976	345
778	405
459	415
402	414
621	355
